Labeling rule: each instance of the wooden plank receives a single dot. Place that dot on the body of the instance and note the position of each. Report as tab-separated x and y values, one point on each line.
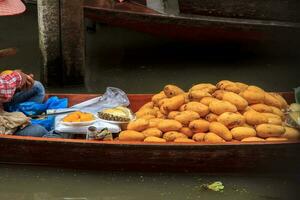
8	52
136	100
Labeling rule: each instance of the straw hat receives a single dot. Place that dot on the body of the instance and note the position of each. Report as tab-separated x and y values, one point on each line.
11	7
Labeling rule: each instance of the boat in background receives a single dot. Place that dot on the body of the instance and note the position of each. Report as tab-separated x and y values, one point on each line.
199	20
139	156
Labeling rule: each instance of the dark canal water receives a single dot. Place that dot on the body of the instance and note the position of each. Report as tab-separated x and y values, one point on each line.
41	183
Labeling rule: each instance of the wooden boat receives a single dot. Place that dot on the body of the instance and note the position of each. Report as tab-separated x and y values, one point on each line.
117	155
7	52
195	21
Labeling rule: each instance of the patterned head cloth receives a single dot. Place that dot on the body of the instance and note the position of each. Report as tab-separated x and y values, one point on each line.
11	7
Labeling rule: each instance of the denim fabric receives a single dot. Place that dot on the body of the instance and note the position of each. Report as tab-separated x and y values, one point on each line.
36	94
53	134
32	130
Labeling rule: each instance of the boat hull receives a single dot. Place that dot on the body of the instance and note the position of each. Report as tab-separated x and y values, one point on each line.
124	156
139	156
189	27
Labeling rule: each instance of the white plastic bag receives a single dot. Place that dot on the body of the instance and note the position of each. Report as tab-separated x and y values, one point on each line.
61	128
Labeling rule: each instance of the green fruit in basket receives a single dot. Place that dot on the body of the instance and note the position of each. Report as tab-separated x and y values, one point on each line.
120	113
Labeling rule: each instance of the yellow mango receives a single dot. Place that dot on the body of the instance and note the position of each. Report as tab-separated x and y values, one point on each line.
269	130
186	117
138	125
130	135
172	135
199	125
206	87
200	108
207	100
172	90
199	137
240	133
231	120
236	100
186	131
197	95
221	130
154	139
169	125
152	132
173	103
211	117
219	107
213	138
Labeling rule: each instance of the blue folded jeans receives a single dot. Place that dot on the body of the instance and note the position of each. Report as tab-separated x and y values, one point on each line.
32	130
36	130
35	94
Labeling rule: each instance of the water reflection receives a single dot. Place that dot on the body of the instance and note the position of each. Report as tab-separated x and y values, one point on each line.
40	183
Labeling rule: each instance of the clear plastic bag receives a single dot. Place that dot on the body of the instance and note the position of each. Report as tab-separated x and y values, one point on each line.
113	97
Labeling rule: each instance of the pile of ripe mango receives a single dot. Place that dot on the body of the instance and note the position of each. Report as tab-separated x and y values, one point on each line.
78	116
227	111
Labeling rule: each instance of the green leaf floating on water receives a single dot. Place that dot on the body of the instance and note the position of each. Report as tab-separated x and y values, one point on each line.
215	186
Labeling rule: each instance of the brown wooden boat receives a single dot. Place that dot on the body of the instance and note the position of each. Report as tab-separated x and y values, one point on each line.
117	155
210	22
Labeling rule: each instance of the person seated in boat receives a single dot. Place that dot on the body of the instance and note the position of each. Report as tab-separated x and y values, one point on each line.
17	87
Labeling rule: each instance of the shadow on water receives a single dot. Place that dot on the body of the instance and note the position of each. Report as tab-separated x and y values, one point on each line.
42	183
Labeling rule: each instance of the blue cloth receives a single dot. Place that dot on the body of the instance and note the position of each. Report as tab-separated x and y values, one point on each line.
47	122
32	108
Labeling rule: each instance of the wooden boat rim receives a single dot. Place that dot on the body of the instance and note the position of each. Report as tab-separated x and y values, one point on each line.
141	144
203	18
